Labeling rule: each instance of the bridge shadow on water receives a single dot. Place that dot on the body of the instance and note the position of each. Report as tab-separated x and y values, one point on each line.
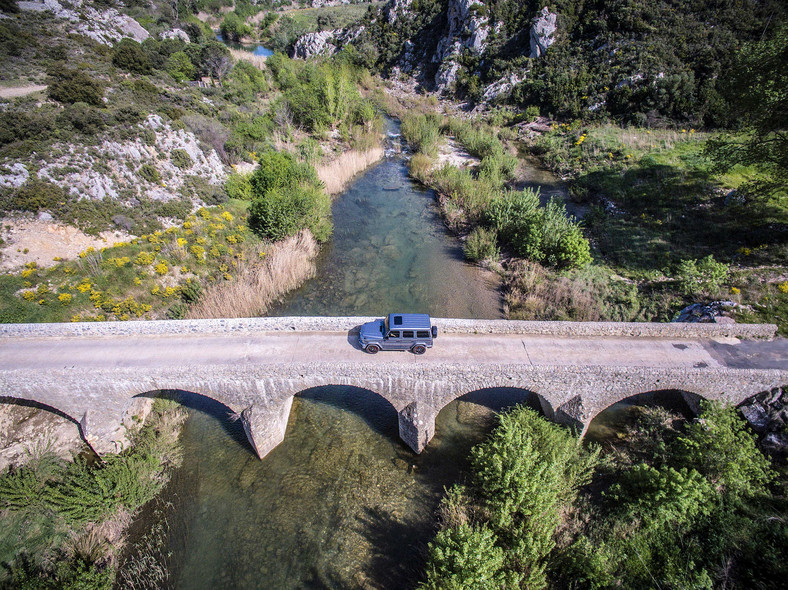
196	402
375	410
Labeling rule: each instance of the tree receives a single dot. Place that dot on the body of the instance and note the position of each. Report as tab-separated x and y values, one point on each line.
130	56
758	91
70	86
216	60
180	67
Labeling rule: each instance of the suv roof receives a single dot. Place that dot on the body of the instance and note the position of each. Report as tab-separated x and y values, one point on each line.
408	321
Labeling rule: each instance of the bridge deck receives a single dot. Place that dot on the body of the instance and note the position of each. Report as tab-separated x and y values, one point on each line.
298	347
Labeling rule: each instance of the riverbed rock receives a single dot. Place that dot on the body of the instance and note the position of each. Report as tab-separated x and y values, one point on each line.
542	32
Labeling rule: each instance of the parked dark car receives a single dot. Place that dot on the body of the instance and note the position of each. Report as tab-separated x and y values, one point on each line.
398	331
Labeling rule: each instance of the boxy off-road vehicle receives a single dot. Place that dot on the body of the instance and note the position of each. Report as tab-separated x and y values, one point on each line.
398	331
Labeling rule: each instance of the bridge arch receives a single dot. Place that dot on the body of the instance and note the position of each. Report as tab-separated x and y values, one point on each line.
685	403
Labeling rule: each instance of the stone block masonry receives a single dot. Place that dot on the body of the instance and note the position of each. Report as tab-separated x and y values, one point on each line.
92	372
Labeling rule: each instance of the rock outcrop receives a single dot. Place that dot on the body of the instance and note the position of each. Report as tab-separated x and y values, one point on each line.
176	33
717	312
468	29
323	42
112	169
104	26
767	413
396	8
313	44
542	30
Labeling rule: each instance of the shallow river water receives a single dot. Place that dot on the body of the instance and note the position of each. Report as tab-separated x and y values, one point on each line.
341	502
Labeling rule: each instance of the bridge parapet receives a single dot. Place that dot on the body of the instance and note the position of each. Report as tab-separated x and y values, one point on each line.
673	330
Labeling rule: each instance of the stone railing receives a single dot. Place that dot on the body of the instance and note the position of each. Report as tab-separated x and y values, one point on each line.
344	324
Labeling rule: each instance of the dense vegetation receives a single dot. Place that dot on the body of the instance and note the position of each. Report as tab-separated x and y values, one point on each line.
692	505
650	62
69	516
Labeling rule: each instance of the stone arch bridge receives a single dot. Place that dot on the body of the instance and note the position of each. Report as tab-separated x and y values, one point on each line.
93	372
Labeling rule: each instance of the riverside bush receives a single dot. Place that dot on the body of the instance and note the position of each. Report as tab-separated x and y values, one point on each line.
481	245
283	212
524	475
544	234
422	132
704	276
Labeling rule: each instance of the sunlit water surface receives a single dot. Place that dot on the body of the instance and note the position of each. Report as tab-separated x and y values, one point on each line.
341	502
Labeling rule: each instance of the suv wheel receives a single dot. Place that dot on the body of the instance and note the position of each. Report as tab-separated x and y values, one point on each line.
419	349
372	348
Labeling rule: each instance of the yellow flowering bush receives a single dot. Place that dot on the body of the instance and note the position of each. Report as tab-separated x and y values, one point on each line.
182	242
29	295
160	268
64	298
144	258
197	251
227	216
783	287
27	272
735	290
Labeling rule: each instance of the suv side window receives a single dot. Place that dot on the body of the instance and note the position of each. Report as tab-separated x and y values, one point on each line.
394	334
422	334
407	333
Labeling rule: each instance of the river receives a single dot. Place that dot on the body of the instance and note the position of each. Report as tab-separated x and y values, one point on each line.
341	502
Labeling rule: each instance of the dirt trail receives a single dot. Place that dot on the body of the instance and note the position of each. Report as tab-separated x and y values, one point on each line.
15	91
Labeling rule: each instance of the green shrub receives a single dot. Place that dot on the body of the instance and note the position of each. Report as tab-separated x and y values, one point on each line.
481	245
36	195
280	170
465	557
150	173
233	27
181	159
543	234
422	132
84	118
130	56
283	212
705	276
180	67
237	186
70	86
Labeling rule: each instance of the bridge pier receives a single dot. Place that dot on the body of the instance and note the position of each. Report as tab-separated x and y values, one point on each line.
417	425
265	425
573	413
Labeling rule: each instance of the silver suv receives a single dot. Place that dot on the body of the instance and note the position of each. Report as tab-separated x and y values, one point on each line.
398	331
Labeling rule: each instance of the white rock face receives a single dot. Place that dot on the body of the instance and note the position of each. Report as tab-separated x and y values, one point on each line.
502	86
313	44
396	8
13	176
176	33
542	31
467	30
106	26
112	168
323	42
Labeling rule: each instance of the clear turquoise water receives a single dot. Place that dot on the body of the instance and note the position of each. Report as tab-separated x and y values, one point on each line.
341	502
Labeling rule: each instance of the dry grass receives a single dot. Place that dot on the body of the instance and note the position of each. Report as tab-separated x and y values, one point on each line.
536	294
257	285
256	60
336	174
